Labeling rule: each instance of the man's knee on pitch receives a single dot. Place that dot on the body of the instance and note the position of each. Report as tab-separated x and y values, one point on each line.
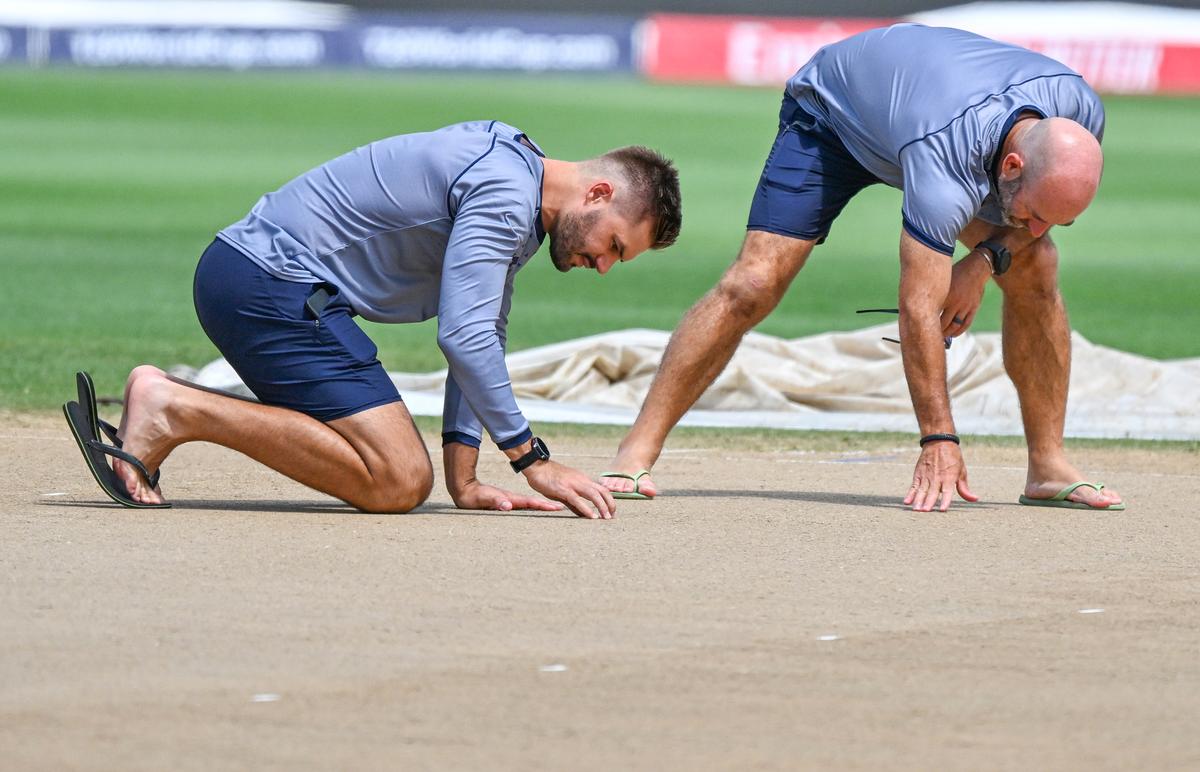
400	473
755	283
401	485
1034	272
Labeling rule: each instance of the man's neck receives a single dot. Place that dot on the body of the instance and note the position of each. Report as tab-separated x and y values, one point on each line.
558	179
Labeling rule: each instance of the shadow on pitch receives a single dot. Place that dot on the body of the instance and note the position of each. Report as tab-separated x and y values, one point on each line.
277	507
816	497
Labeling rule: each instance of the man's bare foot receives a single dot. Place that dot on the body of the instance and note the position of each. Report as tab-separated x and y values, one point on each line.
145	431
630	466
1046	483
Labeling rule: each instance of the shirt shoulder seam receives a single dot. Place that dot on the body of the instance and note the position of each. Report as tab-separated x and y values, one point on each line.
971	107
450	190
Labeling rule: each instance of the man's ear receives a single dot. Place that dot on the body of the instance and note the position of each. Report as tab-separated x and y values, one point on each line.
599	192
1011	167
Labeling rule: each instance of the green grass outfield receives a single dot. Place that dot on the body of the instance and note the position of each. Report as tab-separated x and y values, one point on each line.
112	183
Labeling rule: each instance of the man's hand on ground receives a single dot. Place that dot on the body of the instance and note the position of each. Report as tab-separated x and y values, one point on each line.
968	279
583	495
477	495
940	472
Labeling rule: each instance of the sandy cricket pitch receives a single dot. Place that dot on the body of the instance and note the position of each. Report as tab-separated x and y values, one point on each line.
774	609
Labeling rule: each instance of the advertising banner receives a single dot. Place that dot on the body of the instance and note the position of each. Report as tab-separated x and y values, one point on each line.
741	50
12	44
525	42
233	48
521	42
1125	66
1117	47
1179	71
1159	58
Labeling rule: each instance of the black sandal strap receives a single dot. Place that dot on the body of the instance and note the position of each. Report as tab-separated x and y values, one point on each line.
151	479
87	399
110	431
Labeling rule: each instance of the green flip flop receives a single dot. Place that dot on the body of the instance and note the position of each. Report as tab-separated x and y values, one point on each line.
1060	499
636	493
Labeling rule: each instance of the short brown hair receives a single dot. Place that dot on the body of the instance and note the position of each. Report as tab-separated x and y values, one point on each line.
654	183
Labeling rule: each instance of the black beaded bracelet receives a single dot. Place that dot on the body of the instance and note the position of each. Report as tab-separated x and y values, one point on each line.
928	438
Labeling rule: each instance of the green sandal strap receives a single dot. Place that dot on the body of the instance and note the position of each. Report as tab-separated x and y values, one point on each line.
623	476
1067	491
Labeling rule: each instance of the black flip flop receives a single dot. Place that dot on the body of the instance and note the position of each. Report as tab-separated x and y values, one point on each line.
87	400
82	423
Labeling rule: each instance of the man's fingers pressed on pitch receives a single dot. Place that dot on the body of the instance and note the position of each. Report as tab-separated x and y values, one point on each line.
581	507
912	491
608	499
597	495
535	502
929	498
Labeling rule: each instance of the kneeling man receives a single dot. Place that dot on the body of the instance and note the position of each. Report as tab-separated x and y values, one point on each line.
400	230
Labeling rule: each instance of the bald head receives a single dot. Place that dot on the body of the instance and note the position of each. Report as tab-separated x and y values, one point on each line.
1059	164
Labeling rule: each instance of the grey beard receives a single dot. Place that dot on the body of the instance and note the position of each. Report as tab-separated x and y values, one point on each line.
1006	191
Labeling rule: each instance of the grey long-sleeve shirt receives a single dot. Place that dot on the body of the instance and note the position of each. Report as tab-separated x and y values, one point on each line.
926	110
416	226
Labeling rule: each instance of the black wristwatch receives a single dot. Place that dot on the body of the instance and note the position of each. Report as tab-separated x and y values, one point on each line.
1001	258
539	453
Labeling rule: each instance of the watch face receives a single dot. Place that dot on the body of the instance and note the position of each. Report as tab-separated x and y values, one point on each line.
1001	257
1003	260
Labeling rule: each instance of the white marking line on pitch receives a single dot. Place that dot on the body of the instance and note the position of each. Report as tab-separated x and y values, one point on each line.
1091	611
265	697
555	668
829	637
56	493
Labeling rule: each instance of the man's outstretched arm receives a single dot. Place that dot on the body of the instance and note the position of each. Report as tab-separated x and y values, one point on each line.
704	342
924	283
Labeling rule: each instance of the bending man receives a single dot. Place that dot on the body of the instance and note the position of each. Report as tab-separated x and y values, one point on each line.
992	145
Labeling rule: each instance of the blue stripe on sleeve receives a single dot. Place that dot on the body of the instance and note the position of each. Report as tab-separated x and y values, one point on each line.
513	442
926	239
460	437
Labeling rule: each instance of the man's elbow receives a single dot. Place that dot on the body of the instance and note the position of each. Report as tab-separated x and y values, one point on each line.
462	342
450	344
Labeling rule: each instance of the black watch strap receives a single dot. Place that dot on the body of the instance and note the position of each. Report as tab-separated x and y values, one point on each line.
1001	257
539	453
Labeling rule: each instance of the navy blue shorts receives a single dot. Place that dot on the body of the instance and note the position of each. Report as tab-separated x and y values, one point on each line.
807	180
323	366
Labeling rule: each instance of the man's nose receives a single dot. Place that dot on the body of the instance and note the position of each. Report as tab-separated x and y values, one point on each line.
604	264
